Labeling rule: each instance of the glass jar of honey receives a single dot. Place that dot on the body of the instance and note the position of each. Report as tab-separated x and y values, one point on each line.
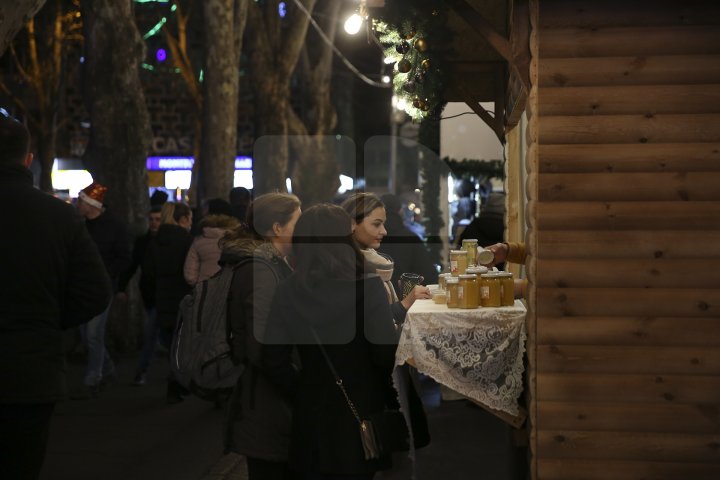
490	290
458	262
508	289
453	292
470	245
441	280
470	296
440	297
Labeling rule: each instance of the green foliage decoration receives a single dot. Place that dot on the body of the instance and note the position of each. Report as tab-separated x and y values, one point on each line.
416	38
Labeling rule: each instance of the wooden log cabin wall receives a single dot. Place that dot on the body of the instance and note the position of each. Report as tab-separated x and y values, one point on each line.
624	231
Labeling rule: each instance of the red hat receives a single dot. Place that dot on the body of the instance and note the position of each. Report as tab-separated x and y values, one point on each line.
94	194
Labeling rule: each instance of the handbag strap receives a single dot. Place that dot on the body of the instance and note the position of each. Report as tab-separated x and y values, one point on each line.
338	380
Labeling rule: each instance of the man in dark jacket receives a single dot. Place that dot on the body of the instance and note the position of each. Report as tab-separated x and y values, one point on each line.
403	246
51	278
110	236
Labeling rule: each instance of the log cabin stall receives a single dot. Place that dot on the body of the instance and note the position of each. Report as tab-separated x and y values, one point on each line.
611	114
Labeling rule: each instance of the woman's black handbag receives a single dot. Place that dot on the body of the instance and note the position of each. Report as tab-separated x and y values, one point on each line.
381	433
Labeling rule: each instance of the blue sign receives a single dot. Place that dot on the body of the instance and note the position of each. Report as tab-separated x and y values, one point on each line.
186	163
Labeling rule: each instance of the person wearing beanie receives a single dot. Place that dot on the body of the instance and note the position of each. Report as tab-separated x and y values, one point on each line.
52	279
111	238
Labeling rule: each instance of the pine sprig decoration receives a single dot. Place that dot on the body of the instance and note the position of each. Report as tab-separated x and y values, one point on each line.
417	40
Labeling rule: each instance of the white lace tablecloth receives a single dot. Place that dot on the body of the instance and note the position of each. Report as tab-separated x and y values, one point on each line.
478	353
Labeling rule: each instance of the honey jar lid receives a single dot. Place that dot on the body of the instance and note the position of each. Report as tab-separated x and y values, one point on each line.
476	270
458	252
503	274
470	240
453	280
468	277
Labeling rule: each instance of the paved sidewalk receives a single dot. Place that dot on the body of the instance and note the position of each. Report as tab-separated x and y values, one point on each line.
130	433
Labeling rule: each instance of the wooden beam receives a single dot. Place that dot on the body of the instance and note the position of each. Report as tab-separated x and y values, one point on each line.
495	123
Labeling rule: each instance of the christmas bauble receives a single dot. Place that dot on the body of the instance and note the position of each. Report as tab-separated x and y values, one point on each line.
402	47
416	102
404	66
409	87
420	77
421	45
425	64
410	34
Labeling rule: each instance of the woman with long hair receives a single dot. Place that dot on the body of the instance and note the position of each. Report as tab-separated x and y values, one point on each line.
368	225
330	307
257	424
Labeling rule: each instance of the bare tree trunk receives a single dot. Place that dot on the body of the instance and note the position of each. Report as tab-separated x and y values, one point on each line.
120	132
13	15
224	24
45	144
315	177
274	52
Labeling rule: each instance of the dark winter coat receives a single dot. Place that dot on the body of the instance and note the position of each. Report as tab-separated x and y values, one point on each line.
353	320
164	261
111	238
408	252
258	421
146	285
51	278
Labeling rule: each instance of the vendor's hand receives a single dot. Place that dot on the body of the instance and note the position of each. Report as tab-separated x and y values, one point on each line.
500	250
418	292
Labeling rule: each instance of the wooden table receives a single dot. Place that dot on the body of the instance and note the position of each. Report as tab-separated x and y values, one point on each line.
476	352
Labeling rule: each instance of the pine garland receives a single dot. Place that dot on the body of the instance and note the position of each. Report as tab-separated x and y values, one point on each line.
416	39
471	168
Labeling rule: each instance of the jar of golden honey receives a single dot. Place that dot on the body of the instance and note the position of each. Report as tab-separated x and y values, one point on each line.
441	280
508	289
470	293
490	290
470	245
453	292
458	262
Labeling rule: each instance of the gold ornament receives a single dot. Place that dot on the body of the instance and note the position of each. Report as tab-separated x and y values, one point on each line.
425	106
435	13
410	34
404	65
416	102
425	64
421	45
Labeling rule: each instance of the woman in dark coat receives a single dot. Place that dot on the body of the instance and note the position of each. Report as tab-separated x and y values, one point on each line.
163	264
350	314
258	419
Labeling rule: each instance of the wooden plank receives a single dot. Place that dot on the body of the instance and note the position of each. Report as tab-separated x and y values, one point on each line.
628	158
628	359
628	302
638	13
629	273
627	215
584	469
613	187
623	417
672	447
629	70
630	99
630	331
604	388
634	244
619	41
631	129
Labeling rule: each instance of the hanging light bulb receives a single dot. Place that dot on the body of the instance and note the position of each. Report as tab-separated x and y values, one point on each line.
353	24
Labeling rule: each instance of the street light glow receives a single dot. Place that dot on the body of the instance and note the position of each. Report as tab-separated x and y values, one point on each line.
353	24
386	79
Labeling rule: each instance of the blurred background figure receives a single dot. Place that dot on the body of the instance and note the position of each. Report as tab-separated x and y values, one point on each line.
488	228
240	198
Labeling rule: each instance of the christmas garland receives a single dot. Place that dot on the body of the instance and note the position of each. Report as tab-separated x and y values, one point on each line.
467	168
416	39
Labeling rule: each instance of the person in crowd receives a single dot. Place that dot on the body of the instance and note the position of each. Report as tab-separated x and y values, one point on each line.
403	246
111	237
330	304
158	198
52	278
488	228
163	263
368	230
202	259
240	198
147	292
368	225
257	424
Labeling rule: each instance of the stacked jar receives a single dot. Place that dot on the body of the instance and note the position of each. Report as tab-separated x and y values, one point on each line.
469	292
470	246
453	292
490	290
458	262
507	289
